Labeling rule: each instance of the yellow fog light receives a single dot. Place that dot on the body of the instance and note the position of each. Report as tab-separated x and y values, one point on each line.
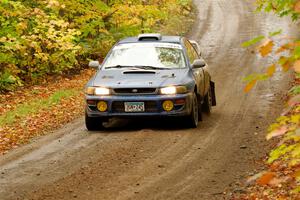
168	105
102	106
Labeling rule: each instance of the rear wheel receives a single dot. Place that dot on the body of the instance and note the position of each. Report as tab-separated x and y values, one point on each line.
199	109
207	105
93	123
193	119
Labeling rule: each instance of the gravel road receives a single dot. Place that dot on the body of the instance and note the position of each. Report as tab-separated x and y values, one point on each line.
161	160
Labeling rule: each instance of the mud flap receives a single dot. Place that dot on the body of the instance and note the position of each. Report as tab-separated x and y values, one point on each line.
213	93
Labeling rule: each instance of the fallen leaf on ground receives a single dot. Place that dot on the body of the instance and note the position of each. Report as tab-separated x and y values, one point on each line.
255	177
266	178
46	119
294	100
278	132
278	181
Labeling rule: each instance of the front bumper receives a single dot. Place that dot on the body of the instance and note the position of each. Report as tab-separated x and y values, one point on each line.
153	105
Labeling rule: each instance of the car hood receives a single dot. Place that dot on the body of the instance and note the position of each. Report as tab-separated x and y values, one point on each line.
141	78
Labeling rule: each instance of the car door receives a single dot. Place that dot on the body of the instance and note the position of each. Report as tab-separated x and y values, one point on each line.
198	73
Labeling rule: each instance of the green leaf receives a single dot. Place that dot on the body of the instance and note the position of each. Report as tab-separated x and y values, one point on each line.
253	41
296	53
272	34
296	190
295	90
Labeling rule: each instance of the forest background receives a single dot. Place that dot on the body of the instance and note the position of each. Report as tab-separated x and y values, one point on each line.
39	38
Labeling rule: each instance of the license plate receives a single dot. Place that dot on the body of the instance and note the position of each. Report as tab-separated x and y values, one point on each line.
134	106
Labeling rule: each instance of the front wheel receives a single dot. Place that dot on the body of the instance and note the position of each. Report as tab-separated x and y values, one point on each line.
193	119
93	123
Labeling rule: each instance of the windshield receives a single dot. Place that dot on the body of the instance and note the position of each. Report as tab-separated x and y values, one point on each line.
150	55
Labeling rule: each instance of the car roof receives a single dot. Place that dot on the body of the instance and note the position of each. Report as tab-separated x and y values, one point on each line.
152	38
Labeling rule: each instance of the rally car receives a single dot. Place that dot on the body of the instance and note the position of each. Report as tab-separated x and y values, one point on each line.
149	76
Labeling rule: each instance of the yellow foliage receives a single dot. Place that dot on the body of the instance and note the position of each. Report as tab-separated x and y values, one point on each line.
266	48
271	70
297	66
249	86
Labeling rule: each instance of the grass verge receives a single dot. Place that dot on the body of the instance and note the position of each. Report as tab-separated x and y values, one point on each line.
37	110
33	107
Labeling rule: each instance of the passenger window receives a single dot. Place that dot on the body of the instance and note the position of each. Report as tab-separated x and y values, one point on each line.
192	54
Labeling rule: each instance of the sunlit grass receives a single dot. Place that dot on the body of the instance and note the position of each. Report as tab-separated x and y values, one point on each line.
35	105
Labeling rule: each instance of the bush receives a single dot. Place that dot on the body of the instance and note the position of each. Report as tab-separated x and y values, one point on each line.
45	37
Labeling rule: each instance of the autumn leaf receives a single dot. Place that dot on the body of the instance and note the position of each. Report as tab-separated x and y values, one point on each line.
294	100
249	86
255	177
277	181
282	49
278	132
271	70
286	66
266	48
297	66
297	7
266	178
296	174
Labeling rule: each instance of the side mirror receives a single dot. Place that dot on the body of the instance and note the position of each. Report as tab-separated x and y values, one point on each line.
199	63
94	64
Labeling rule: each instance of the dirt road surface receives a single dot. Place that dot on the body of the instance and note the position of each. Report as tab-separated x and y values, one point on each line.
161	160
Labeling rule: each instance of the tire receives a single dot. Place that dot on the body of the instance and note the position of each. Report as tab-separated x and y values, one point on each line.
200	119
93	123
192	120
207	105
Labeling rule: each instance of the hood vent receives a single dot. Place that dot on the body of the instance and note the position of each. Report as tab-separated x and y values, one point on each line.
150	37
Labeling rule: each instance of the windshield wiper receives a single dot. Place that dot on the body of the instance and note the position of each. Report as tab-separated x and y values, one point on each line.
117	66
146	67
150	67
136	67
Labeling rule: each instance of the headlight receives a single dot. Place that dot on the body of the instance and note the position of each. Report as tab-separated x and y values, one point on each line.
99	91
173	90
102	91
168	90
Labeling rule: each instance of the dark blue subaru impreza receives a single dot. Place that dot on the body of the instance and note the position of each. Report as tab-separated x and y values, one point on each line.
150	75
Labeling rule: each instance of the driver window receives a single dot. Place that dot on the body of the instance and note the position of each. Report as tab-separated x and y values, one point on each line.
192	54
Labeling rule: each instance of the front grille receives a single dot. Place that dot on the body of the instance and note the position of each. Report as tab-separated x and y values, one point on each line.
119	107
133	91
